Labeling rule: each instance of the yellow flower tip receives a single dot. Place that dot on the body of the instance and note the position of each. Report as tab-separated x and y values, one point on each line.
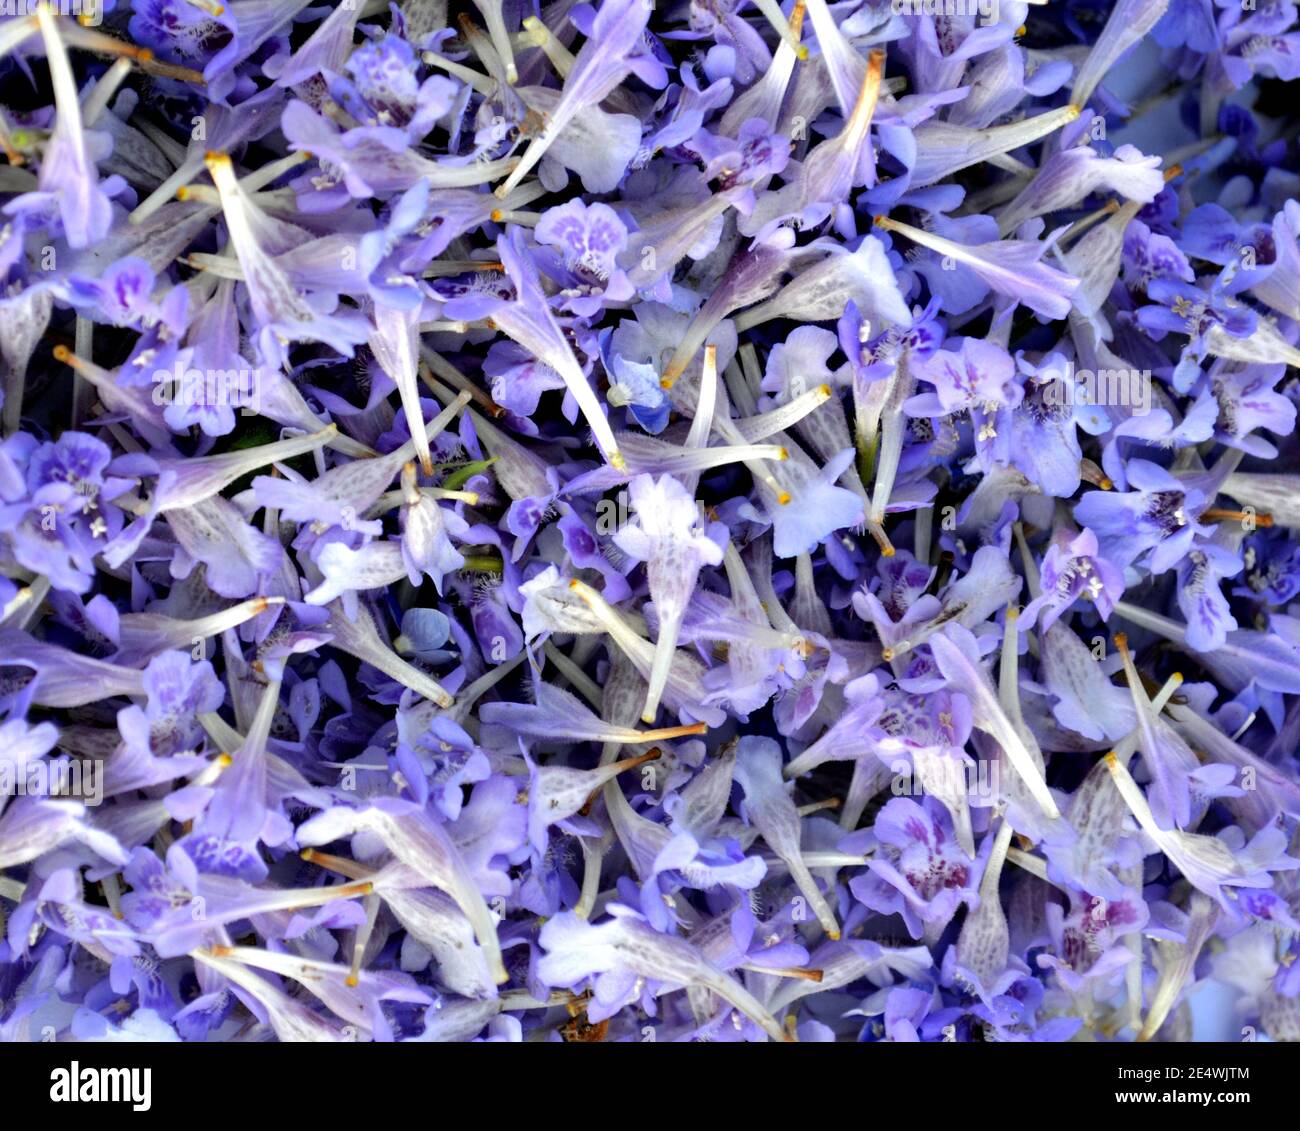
225	761
497	215
352	980
182	193
785	454
1121	642
214	160
802	53
1107	484
888	552
666	383
63	354
1177	678
575	583
886	653
1173	171
881	221
616	461
1111	760
825	391
1013	613
1074	112
426	462
834	935
783	498
1021	30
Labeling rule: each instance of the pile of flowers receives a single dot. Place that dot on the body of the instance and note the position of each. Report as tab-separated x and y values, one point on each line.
649	521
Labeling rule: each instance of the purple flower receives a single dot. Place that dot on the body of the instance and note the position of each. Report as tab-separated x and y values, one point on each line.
588	240
396	416
382	88
1073	569
1158	515
920	872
